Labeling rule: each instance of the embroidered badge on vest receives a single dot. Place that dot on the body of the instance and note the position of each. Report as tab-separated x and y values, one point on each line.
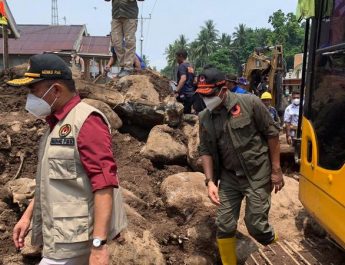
236	111
65	130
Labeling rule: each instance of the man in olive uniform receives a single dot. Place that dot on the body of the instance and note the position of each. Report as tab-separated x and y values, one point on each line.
123	29
239	147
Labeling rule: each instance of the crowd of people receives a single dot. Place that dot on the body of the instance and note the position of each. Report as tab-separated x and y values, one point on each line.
77	206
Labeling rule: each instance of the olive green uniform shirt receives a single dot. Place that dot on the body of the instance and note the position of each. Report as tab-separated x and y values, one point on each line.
125	9
249	126
228	157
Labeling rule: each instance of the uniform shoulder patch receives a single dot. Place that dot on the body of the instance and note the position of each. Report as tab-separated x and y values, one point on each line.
236	111
65	130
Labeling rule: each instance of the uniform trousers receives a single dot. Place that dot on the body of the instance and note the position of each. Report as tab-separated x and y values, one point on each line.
123	38
232	190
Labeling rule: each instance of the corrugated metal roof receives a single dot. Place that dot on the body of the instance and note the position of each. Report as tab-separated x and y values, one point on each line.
35	39
95	45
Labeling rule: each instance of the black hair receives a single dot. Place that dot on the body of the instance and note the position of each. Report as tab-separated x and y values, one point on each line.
182	53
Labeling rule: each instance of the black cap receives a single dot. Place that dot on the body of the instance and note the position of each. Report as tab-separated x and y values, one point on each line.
43	67
210	79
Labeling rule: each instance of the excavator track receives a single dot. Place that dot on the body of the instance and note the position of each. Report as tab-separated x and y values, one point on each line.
286	253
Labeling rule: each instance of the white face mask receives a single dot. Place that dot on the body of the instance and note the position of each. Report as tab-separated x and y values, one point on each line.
213	102
38	106
296	101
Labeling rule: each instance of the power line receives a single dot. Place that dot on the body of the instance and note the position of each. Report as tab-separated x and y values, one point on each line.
149	25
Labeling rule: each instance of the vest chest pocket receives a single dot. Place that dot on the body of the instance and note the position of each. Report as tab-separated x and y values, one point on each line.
62	169
70	222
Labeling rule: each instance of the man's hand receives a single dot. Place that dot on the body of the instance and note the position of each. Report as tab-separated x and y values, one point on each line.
20	231
99	256
213	193
277	180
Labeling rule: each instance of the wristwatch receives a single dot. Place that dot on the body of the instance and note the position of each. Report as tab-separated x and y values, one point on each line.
207	181
97	242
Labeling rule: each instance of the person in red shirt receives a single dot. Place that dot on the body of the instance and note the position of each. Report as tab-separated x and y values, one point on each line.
53	96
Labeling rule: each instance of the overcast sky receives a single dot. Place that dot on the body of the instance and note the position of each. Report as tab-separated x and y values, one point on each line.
170	18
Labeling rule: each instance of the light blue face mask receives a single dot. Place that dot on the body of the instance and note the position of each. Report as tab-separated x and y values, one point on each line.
38	106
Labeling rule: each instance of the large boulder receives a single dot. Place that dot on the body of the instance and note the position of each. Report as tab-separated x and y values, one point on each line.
142	104
165	145
113	118
136	250
106	94
142	99
192	134
173	112
137	246
138	88
185	193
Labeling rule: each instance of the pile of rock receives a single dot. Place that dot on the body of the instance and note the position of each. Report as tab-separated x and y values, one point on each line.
144	106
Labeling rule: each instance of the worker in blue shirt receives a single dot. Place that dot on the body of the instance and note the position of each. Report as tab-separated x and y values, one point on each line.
139	63
233	86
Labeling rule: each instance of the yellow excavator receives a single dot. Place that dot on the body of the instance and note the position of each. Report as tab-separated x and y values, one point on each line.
261	70
321	131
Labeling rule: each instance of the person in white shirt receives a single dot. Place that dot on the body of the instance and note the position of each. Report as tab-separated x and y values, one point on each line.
291	117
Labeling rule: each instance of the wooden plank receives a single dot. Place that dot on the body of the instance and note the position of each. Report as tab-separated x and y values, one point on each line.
255	261
297	253
263	255
288	253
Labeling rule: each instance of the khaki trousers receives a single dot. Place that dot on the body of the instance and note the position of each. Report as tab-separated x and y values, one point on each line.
82	260
232	190
123	30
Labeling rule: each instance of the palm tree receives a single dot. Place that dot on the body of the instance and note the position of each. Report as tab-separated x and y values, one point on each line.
225	41
180	44
210	29
205	44
240	35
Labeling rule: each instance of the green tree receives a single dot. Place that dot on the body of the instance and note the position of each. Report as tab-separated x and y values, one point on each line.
170	52
230	51
288	32
205	44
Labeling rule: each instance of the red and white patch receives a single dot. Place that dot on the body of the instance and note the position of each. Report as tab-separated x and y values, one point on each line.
65	130
202	79
236	110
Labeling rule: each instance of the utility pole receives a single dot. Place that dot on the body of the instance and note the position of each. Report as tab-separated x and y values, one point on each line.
5	46
55	14
142	33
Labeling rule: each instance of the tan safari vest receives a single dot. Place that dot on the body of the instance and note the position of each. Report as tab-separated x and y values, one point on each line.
63	209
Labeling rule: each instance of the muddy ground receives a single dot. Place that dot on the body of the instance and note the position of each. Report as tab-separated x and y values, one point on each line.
287	214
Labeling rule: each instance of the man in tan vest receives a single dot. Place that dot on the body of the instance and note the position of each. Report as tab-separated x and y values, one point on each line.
73	211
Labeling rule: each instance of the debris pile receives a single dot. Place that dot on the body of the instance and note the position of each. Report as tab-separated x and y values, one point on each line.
171	220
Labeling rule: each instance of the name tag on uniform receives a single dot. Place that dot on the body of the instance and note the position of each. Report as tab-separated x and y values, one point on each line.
62	141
